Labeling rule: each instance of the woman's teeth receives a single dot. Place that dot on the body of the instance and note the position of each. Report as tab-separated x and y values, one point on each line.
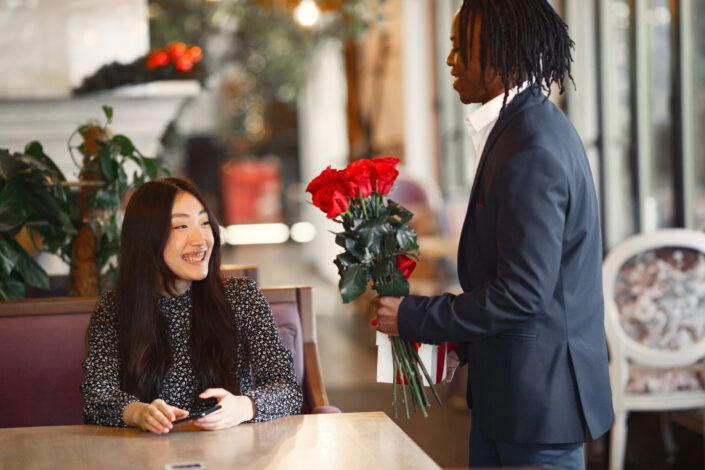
195	258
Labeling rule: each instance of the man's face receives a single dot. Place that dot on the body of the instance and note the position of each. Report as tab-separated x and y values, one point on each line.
467	76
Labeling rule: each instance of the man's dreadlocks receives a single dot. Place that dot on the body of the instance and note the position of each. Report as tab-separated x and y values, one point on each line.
524	40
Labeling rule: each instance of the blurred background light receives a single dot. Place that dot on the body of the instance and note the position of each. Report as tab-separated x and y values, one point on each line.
303	232
256	234
307	13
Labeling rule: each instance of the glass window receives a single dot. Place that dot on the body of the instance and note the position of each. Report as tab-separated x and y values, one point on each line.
658	157
697	27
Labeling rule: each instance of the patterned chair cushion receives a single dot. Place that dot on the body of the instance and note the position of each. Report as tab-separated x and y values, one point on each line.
661	298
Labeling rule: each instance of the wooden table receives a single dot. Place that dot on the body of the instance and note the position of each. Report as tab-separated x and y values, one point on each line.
340	441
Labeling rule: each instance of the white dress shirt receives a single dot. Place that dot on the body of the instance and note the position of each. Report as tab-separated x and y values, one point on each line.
480	121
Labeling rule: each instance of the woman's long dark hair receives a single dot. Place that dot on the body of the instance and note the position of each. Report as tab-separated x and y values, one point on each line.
144	275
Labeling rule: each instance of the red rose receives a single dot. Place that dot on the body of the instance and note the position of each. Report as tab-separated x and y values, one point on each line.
328	193
357	178
406	265
157	58
385	173
176	50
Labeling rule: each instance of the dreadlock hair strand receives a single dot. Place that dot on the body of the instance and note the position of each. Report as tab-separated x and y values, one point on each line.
523	40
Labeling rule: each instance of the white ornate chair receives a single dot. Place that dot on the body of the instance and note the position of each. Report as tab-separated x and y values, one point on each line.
654	287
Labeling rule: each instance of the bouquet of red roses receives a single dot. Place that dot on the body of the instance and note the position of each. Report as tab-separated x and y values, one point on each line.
379	247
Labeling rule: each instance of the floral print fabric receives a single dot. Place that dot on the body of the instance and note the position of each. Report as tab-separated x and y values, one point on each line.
660	295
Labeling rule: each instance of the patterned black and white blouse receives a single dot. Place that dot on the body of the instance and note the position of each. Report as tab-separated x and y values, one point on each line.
261	356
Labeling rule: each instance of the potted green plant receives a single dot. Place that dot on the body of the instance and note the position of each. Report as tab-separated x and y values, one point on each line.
82	227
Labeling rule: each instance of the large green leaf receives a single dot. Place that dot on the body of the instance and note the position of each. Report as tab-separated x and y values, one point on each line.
12	206
353	282
44	206
126	146
10	165
398	286
36	150
108	165
31	272
11	289
10	252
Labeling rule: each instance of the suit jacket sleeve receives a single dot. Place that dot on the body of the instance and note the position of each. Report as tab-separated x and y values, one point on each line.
532	198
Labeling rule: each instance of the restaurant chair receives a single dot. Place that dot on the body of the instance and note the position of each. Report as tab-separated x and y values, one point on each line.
293	312
654	288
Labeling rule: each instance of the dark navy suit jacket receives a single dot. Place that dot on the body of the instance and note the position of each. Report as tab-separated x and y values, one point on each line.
530	318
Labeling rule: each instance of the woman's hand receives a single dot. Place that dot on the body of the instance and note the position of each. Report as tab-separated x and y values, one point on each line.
154	417
235	409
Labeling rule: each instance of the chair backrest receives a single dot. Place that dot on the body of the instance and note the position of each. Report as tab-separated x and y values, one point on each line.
42	346
248	271
293	312
60	285
654	288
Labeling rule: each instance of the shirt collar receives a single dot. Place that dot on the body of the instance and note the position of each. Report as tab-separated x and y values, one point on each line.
488	113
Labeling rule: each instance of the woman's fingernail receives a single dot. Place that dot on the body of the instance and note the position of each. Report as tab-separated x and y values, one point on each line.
374	322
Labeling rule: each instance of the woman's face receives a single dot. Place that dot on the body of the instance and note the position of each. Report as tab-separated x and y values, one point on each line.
190	242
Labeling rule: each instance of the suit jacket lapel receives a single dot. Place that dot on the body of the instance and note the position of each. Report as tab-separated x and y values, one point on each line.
504	118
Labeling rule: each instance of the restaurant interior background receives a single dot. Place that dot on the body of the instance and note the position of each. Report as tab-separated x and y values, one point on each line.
285	88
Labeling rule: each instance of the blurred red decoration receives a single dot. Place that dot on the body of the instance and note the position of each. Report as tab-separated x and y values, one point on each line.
157	58
177	53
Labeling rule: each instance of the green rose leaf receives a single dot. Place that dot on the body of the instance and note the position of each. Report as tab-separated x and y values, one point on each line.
395	210
399	285
340	239
353	282
406	238
355	248
372	234
344	261
382	270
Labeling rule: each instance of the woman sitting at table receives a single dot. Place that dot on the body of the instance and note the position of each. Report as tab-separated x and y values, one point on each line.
174	337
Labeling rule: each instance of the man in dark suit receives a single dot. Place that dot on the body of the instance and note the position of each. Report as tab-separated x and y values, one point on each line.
530	319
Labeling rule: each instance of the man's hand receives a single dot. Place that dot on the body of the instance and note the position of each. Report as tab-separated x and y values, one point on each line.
154	417
235	409
388	315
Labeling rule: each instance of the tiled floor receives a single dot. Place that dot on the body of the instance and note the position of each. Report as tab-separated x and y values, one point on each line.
348	357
